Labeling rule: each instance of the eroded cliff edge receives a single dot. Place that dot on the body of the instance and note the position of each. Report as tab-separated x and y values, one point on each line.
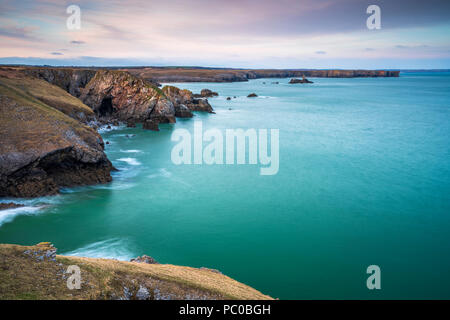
44	148
49	117
36	272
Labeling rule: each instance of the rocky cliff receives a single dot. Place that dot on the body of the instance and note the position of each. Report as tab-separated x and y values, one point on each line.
120	96
126	98
45	148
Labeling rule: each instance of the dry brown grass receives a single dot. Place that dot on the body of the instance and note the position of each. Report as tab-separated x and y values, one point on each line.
23	277
45	92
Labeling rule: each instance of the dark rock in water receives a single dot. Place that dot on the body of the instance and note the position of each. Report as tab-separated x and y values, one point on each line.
107	142
234	97
145	259
10	205
303	80
108	127
131	124
228	98
206	93
230	109
252	95
181	111
150	125
276	82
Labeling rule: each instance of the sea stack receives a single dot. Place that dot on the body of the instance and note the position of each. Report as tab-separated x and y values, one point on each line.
303	80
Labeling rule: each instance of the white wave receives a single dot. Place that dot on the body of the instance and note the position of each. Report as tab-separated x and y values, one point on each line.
130	161
111	249
116	186
131	151
161	173
9	214
104	128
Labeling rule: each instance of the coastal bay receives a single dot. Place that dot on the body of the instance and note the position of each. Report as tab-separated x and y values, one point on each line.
361	161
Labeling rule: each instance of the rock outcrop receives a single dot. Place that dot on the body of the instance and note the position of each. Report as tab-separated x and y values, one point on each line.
206	93
302	80
124	97
185	101
42	148
144	259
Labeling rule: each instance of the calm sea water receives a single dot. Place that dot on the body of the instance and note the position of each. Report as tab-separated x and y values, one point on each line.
364	179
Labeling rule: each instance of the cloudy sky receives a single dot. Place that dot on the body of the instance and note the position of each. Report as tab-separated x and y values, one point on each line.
228	33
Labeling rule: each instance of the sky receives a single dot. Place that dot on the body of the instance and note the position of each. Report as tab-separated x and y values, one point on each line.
317	34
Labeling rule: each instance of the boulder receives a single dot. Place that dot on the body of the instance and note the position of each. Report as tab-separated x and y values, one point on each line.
150	125
303	80
252	95
206	93
144	259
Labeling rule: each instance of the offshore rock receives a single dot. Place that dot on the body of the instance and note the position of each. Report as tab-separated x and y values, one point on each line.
183	99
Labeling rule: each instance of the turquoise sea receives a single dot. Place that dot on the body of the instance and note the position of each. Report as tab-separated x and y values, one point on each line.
364	179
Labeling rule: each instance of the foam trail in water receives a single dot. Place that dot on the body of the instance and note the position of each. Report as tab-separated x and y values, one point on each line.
111	249
130	161
9	214
161	173
131	151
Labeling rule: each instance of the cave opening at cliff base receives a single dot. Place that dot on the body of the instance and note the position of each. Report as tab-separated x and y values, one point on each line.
106	107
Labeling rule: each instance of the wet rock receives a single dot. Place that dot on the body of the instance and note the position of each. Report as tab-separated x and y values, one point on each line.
10	205
303	80
206	93
144	259
131	124
252	95
150	125
228	98
183	99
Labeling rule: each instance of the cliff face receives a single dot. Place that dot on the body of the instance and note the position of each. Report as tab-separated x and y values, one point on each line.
43	148
71	80
118	95
127	98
